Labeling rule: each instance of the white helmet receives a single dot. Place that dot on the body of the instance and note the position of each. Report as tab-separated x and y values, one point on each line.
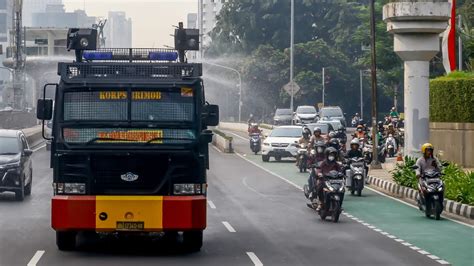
355	141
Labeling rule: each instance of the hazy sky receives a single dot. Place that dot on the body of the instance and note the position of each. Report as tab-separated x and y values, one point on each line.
152	20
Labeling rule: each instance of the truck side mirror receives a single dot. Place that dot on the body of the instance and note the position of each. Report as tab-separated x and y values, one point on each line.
44	109
211	114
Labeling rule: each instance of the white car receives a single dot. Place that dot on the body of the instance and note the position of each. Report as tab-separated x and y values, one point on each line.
281	143
305	114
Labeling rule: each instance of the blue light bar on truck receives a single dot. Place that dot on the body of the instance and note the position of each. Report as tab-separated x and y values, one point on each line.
163	56
98	55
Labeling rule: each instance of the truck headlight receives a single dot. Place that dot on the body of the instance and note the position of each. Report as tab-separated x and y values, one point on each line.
70	188
189	189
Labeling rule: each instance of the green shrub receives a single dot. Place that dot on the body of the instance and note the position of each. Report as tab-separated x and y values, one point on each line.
459	185
404	175
451	98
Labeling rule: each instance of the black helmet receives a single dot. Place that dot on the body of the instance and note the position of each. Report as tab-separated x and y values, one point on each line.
380	123
334	143
317	129
332	134
330	150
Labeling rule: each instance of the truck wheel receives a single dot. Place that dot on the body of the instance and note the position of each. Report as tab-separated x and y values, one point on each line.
192	240
265	158
66	240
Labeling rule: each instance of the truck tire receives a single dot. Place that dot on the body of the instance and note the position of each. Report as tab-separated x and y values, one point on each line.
29	186
192	240
265	158
66	240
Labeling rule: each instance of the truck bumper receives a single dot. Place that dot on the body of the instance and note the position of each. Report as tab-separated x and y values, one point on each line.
110	213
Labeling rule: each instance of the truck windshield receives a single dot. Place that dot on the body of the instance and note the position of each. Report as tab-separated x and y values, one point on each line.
154	107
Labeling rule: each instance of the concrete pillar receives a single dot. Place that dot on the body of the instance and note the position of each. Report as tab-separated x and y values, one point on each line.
50	44
416	26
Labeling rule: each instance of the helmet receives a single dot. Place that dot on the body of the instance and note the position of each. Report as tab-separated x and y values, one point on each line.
426	146
360	126
393	108
380	123
332	134
251	115
330	150
334	143
357	114
355	141
317	129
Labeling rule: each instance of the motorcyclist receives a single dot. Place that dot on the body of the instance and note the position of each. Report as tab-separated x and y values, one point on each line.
317	137
393	113
304	141
427	162
354	152
360	133
380	127
387	120
329	164
355	119
251	120
253	129
390	130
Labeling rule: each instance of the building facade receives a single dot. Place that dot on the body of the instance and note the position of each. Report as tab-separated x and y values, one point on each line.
35	6
118	30
56	16
208	15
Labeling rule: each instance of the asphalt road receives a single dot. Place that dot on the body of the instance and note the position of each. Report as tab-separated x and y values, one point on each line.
254	217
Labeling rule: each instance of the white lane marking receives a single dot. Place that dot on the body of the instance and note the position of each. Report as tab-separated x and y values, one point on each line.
211	204
433	257
443	262
36	258
270	172
377	230
229	227
424	252
215	148
371	227
415	248
366	224
415	207
256	261
39	148
406	244
399	240
384	233
391	236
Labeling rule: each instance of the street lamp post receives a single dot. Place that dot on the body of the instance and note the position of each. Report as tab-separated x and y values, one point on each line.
292	46
361	87
324	85
375	159
239	85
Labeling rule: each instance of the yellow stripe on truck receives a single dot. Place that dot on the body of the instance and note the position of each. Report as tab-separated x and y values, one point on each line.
113	209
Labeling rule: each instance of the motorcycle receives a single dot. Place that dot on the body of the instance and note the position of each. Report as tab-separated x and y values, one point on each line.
431	200
255	143
356	175
333	191
367	151
390	145
302	158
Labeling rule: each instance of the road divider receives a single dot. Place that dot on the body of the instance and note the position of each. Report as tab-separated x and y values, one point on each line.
222	141
409	194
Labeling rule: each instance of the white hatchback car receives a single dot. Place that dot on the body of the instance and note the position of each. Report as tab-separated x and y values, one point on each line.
281	143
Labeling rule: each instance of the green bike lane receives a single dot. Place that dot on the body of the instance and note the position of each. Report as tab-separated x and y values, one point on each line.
450	241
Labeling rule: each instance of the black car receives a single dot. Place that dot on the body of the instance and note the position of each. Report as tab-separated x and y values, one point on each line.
16	169
283	117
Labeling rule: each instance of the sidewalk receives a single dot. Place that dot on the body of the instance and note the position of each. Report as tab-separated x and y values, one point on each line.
384	173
